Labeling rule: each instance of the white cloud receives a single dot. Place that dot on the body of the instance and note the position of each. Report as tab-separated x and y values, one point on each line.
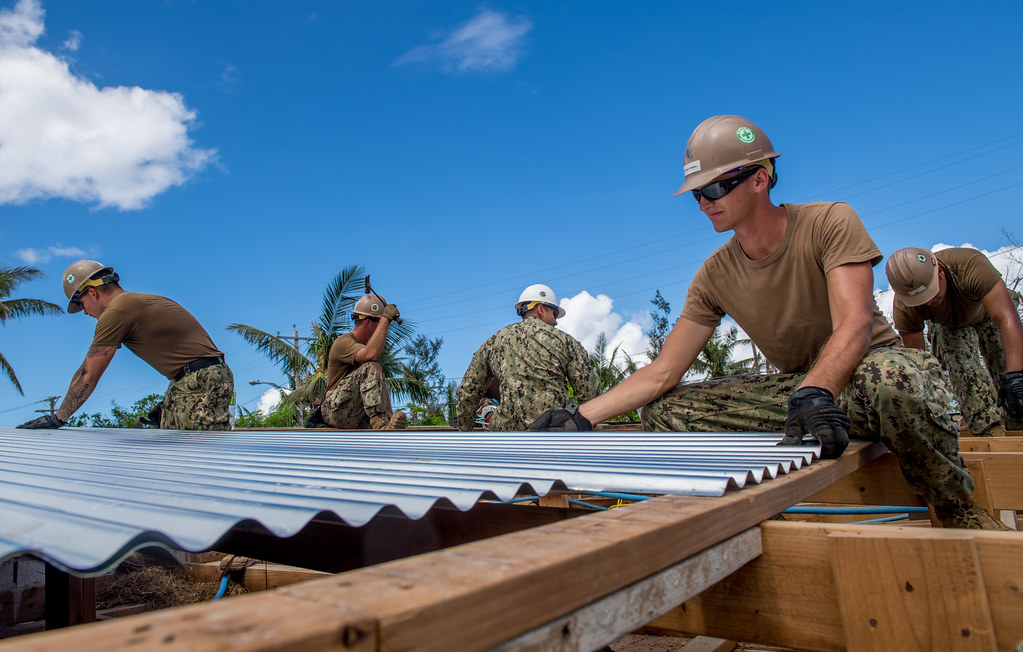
586	317
488	42
73	41
1007	260
270	399
35	256
62	136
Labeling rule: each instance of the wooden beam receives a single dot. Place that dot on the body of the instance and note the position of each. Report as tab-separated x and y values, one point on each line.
991	445
789	596
893	597
877	483
478	595
1003	473
261	577
592	626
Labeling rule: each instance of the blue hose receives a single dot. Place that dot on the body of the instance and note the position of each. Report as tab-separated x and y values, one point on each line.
809	509
887	519
223	588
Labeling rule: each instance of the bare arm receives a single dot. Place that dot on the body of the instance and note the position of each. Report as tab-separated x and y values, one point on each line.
84	381
913	340
851	302
375	346
683	344
1000	308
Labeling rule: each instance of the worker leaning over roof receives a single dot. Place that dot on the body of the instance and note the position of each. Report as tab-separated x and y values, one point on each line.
968	306
160	332
531	361
357	395
798	280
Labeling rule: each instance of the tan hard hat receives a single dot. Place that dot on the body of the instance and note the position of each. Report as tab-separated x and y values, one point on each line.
78	273
722	144
369	305
913	274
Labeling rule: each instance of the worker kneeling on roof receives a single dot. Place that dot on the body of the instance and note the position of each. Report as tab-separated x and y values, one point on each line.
357	395
531	362
160	332
798	279
969	308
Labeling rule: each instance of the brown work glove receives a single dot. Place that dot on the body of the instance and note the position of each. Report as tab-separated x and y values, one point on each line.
390	312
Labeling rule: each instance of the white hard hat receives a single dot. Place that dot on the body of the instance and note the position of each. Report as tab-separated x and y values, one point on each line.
538	293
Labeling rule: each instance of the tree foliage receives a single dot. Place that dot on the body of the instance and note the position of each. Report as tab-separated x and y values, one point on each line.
119	417
661	325
10	279
611	372
716	357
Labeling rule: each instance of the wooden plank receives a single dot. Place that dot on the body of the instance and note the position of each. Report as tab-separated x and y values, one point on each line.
606	620
554	500
1003	472
877	483
991	445
478	595
892	596
260	621
788	595
261	577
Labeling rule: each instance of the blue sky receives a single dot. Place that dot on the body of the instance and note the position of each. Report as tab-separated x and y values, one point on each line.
234	156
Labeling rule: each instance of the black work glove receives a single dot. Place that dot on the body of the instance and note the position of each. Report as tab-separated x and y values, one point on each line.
153	418
46	421
1011	394
567	419
813	410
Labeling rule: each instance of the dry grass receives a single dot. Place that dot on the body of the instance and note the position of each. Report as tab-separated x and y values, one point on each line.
159	588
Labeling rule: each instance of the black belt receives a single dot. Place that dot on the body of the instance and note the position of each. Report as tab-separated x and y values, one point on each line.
196	365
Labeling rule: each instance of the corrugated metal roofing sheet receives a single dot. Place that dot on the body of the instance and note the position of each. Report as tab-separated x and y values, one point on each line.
85	498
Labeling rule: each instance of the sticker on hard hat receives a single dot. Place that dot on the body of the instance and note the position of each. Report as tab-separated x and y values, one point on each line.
745	134
922	258
691	168
542	293
374	307
70	278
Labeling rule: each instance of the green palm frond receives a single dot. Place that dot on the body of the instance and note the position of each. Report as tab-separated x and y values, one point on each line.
339	299
7	370
12	277
17	308
284	355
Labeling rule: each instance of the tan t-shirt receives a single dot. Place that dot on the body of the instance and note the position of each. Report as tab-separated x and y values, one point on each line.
781	301
969	276
341	359
155	329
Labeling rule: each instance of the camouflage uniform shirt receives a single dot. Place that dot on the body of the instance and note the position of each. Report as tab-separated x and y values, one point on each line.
531	360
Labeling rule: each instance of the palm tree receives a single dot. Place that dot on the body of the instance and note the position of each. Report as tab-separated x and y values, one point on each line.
10	279
307	371
716	357
609	373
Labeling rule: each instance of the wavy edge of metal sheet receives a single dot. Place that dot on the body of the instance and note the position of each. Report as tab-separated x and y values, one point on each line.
83	499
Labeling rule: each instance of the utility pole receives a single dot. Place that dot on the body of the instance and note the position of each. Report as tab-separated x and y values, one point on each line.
295	377
52	409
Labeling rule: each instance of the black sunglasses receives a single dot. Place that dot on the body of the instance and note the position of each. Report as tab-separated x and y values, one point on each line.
718	189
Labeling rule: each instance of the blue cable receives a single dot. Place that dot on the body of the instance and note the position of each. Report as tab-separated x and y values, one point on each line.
817	509
887	519
223	588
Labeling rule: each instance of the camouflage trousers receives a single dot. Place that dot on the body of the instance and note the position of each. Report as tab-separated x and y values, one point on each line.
897	395
359	396
974	380
201	400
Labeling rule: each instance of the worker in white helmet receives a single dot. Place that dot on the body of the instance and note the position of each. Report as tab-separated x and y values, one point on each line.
531	362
